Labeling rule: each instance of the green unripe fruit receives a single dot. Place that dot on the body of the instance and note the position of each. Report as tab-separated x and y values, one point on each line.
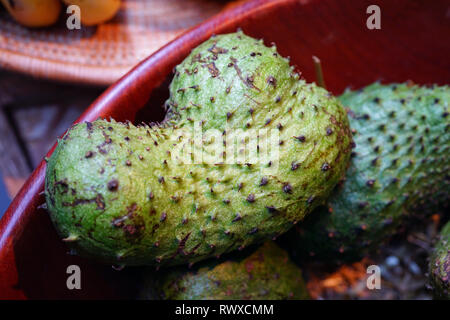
139	196
440	265
399	167
266	274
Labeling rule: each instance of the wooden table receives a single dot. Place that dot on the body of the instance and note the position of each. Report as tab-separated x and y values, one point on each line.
4	199
33	113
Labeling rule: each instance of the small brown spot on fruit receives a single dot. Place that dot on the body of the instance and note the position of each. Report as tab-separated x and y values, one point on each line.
325	166
264	181
237	218
113	185
251	198
287	188
301	138
272	81
370	183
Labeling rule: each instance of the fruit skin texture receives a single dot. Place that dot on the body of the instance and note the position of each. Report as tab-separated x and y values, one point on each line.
440	265
399	167
266	274
96	11
115	191
34	13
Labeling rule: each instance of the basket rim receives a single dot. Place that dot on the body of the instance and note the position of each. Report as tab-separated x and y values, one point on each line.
64	71
60	71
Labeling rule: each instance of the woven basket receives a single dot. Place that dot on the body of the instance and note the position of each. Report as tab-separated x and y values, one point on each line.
102	54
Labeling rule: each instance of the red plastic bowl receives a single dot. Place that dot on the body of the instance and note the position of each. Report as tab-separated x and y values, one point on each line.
413	43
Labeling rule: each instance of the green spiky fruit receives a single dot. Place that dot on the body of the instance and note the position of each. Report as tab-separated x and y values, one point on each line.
440	265
266	274
400	166
139	195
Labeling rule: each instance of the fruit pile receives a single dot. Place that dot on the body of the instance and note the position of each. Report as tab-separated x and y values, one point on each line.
42	13
356	167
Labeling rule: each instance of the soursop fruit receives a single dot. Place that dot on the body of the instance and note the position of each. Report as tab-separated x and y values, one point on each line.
399	167
167	194
265	274
440	265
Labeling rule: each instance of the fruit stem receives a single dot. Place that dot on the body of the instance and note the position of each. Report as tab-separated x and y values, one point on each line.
319	73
